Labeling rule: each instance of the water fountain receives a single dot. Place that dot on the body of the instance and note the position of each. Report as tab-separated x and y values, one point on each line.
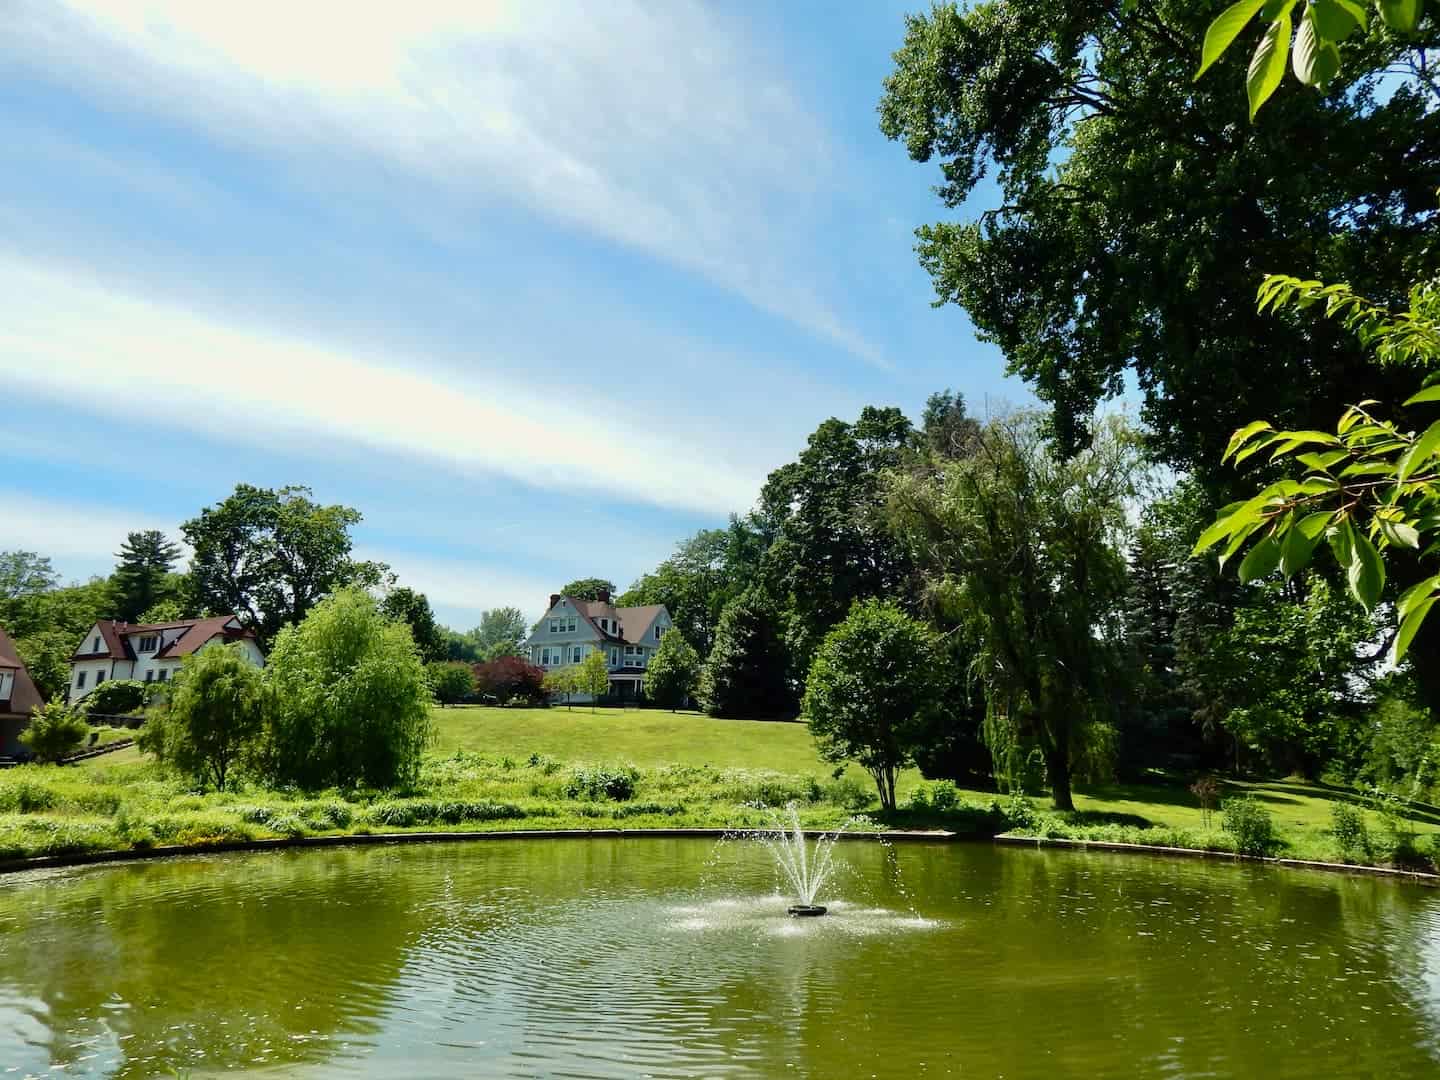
806	867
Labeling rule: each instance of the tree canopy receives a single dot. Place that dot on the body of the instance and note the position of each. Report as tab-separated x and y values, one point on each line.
874	689
589	588
144	575
270	555
826	510
405	605
1027	550
1139	208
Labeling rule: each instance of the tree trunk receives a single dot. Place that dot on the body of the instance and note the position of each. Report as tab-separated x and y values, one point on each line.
1057	764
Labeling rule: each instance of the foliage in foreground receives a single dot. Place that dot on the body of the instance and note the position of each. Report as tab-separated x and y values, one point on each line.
47	809
351	702
55	730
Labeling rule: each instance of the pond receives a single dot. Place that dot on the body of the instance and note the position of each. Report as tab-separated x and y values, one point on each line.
674	957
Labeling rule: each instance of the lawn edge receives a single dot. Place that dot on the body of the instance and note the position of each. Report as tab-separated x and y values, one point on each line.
91	858
87	858
1420	877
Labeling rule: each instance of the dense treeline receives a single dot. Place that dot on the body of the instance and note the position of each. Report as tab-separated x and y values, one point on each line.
1074	632
1139	212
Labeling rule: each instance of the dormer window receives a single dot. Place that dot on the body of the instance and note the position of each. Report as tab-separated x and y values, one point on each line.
658	631
147	644
96	646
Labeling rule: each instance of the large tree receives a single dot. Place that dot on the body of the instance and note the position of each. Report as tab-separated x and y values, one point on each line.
707	571
832	546
270	555
500	633
1139	209
144	575
406	605
1026	550
23	573
747	674
590	588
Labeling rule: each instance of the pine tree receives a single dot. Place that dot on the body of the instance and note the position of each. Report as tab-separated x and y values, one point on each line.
143	574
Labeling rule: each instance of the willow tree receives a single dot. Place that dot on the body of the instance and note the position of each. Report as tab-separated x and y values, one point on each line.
1025	548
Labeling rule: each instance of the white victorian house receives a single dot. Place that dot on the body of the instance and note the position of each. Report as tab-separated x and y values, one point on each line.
150	652
627	636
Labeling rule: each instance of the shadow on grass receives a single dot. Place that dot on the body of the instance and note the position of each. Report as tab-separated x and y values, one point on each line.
1103	817
964	821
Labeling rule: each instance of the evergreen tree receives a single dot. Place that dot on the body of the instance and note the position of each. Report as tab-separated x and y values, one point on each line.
747	673
143	574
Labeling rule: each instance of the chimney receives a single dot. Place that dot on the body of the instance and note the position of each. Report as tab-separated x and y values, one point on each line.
604	596
554	599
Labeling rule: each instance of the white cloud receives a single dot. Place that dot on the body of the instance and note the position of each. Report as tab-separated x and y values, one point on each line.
656	127
77	536
87	347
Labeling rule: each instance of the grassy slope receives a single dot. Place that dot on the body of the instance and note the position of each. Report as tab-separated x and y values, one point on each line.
643	737
723	764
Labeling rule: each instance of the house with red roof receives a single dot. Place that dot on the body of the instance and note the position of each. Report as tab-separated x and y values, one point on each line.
18	696
627	636
150	652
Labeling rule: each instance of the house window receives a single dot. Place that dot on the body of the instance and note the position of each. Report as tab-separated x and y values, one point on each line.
614	657
554	626
162	674
658	631
570	625
96	647
147	644
150	676
579	651
99	677
80	680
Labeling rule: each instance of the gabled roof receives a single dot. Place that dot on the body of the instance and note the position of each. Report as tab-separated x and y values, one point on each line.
116	637
633	621
200	632
23	695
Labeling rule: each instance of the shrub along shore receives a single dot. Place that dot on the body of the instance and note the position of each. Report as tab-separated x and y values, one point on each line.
129	802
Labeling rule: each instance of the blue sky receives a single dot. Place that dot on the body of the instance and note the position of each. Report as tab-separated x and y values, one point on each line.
539	288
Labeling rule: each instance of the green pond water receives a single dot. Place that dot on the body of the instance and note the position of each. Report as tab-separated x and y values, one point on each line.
660	957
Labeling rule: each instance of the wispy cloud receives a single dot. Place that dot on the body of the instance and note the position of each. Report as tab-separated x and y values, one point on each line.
109	353
81	535
658	128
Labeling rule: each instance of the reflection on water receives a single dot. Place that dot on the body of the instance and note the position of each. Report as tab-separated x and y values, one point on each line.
654	957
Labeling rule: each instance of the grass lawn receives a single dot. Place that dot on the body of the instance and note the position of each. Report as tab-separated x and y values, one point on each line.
644	737
537	768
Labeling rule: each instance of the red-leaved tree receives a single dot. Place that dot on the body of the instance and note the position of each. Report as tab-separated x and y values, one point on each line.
509	677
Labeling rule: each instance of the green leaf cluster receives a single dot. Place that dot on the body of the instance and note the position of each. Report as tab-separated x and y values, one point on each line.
1314	48
1368	487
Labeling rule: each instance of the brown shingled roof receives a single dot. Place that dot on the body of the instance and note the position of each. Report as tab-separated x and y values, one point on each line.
23	695
200	633
634	621
116	635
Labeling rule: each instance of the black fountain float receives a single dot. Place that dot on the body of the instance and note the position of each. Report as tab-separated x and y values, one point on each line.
805	867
